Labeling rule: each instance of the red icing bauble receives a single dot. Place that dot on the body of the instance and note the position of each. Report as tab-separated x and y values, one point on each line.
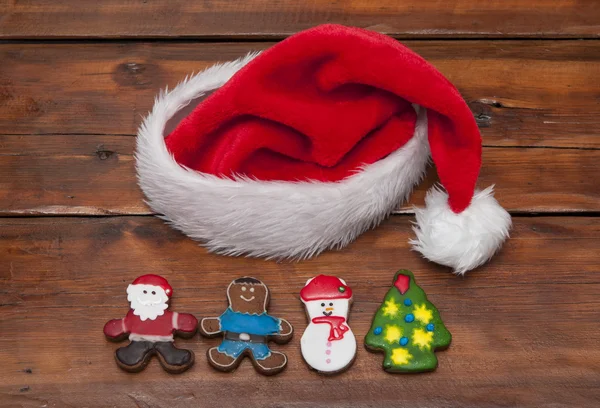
325	287
402	283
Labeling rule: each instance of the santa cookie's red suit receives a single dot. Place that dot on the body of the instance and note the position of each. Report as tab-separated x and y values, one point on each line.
306	145
151	327
159	329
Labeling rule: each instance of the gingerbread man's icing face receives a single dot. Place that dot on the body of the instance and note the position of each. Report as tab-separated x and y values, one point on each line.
248	295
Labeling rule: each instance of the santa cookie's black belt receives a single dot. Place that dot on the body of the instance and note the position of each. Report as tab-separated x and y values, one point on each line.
253	338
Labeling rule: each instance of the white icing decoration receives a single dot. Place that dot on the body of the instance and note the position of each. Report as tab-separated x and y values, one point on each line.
320	353
279	366
247	299
211	318
291	329
149	337
244	336
174	320
147	305
221	365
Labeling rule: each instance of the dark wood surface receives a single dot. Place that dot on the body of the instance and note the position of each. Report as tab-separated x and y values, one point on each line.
74	230
525	327
92	176
279	18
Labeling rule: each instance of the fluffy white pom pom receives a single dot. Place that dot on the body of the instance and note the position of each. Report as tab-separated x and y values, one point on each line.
462	241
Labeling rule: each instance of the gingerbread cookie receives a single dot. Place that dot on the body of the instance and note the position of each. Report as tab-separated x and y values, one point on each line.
151	327
407	328
328	344
247	329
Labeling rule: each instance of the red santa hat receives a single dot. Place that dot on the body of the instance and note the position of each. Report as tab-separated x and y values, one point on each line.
325	287
154	280
305	146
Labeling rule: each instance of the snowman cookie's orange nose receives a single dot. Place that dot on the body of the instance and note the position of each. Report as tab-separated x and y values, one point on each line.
327	309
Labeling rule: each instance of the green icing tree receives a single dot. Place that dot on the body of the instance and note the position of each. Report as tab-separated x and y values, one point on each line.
407	328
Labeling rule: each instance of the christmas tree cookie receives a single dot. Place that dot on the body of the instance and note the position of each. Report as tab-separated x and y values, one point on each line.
407	328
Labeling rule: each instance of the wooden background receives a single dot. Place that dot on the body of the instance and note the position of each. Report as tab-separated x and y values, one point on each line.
76	78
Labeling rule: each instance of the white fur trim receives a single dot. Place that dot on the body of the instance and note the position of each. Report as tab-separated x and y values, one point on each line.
272	219
462	241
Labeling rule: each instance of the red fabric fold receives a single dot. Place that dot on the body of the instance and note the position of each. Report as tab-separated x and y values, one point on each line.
323	103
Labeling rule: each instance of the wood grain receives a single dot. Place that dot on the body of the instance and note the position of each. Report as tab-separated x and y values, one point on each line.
95	175
75	230
523	93
279	18
527	321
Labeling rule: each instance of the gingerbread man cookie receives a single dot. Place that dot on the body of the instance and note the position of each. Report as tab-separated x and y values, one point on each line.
151	327
247	328
328	344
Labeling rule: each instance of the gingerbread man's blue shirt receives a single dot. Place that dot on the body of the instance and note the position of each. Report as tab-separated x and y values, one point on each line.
247	331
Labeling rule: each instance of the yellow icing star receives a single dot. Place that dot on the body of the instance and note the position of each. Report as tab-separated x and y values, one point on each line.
401	356
423	314
390	308
392	333
422	339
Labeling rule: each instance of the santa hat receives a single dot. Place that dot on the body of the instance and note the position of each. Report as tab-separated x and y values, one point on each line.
305	146
325	287
154	280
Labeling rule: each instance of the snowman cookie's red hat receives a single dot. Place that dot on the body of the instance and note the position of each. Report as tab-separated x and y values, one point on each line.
305	146
154	280
325	287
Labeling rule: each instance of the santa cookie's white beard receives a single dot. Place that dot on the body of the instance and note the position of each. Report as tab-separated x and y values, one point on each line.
147	301
147	311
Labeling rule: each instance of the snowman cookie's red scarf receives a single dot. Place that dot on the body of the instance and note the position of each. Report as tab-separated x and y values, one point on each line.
338	328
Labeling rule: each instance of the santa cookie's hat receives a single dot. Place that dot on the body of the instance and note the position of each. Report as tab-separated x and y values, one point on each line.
325	287
154	280
305	146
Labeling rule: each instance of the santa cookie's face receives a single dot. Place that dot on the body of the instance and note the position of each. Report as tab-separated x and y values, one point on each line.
328	307
248	295
147	301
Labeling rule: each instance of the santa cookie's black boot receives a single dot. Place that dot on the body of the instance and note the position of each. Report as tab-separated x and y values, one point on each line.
135	356
173	359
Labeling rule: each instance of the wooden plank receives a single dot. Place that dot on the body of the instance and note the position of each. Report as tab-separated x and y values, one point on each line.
277	19
95	175
526	322
524	93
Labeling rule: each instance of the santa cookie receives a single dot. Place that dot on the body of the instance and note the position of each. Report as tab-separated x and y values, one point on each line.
247	328
150	328
328	344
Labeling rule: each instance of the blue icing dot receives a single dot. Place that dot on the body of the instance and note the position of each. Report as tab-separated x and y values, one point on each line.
430	327
407	302
409	318
377	330
404	341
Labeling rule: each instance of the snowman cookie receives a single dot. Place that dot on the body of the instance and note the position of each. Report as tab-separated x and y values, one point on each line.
246	329
328	344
